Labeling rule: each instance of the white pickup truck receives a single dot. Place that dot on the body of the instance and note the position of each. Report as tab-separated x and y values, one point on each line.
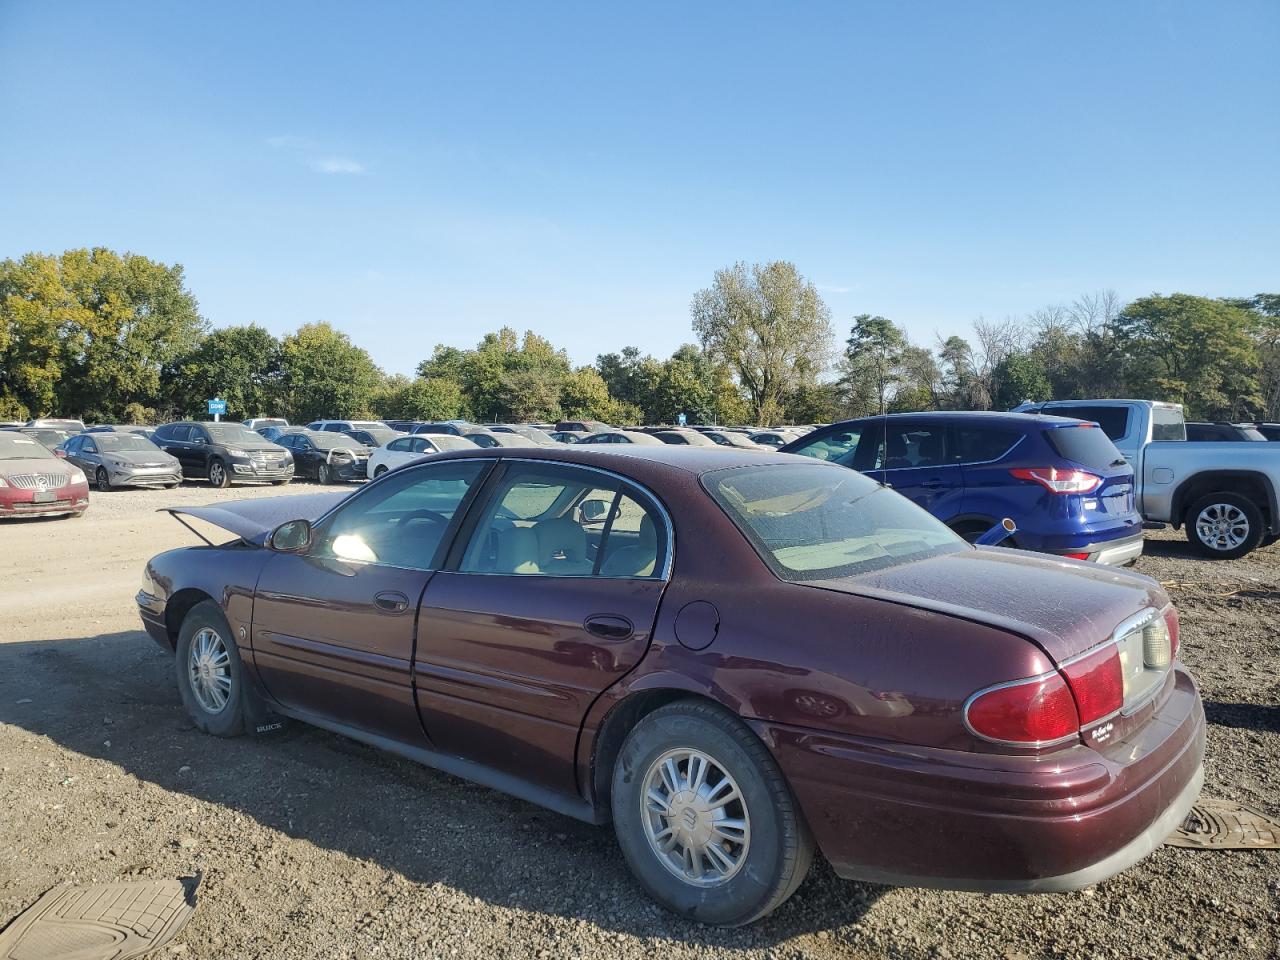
1223	493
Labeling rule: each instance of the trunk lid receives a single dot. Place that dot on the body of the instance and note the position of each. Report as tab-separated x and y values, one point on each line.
1063	606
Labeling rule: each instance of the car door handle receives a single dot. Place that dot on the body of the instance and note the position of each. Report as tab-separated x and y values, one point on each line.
391	601
608	627
934	483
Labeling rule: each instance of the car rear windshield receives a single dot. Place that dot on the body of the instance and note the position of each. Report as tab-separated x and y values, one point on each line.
22	448
818	521
335	441
1085	445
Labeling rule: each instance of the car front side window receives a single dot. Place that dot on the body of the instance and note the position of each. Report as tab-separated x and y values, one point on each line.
401	522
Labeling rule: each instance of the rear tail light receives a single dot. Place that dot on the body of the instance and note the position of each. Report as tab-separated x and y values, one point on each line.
1097	683
1175	628
1058	479
1030	713
1076	556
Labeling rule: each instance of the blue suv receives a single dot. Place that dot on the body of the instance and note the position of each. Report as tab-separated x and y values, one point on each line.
1062	481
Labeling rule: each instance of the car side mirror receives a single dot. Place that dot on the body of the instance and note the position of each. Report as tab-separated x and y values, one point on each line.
60	453
292	536
593	511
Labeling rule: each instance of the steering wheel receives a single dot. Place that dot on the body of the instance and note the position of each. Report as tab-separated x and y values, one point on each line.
424	514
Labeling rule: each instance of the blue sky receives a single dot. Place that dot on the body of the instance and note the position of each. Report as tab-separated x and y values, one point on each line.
423	173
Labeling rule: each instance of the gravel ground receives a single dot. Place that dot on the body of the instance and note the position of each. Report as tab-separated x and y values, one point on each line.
309	845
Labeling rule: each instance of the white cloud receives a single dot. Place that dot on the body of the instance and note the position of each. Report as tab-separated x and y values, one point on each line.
336	165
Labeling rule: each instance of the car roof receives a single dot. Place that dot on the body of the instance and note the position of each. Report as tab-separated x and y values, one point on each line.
987	416
642	463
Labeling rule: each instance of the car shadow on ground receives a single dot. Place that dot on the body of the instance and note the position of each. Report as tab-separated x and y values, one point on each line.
1247	716
362	802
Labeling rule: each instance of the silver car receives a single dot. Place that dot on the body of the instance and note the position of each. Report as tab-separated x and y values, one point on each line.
122	460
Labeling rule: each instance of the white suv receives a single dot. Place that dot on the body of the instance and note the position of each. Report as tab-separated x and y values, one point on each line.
402	450
341	426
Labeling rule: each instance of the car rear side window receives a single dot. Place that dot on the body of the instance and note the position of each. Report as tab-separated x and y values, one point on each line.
1085	445
914	445
982	444
1113	420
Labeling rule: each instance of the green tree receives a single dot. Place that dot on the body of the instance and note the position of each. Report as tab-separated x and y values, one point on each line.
402	398
239	364
1194	350
769	325
585	396
873	360
89	331
506	376
1019	377
323	374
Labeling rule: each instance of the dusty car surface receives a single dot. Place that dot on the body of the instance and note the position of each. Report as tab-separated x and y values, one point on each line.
735	657
35	483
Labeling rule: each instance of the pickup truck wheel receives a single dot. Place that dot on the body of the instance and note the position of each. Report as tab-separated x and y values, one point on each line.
1224	525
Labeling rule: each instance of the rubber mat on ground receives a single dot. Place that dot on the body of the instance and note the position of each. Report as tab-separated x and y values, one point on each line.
1225	825
102	921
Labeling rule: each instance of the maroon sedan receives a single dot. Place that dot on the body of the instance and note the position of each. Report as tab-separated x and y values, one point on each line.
736	657
35	483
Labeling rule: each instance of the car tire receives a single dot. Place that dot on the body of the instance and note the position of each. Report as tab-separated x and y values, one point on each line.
324	474
1224	526
382	468
218	475
761	859
207	649
102	480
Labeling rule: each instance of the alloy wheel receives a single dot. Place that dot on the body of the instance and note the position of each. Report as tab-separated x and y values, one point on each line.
694	817
209	670
216	474
1222	526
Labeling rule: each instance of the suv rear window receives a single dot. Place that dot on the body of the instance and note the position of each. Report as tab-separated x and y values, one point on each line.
1087	446
1113	420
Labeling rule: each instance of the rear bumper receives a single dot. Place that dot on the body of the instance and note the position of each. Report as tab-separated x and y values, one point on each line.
890	813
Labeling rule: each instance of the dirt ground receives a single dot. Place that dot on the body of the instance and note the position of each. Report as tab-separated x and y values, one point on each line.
310	845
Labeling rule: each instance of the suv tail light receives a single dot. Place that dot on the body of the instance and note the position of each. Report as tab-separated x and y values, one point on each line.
1032	712
1059	479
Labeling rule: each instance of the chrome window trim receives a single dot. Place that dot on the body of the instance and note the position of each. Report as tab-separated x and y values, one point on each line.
668	563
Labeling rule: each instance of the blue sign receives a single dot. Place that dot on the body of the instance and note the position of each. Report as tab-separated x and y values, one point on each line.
680	419
217	407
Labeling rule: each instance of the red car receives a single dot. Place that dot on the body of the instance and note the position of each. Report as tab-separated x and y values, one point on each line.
735	657
35	483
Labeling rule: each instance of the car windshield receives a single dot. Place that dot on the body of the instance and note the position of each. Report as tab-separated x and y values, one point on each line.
124	443
335	441
815	522
446	442
19	447
232	433
381	436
